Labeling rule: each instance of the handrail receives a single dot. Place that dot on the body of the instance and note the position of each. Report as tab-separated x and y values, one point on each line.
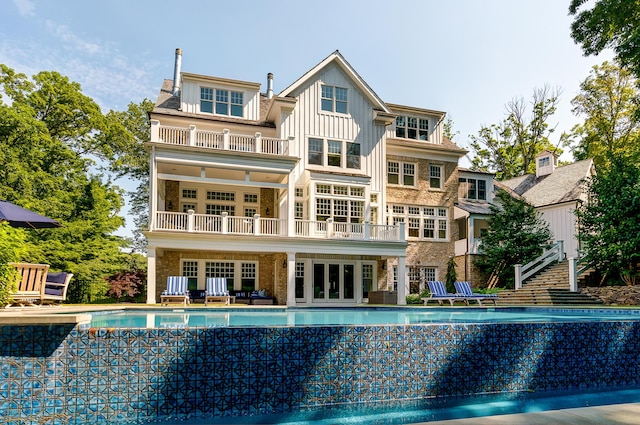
554	253
577	266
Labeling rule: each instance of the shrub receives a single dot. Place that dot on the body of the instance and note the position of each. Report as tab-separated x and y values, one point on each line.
11	247
126	284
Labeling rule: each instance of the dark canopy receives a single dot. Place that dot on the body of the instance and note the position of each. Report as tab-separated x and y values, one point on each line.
19	217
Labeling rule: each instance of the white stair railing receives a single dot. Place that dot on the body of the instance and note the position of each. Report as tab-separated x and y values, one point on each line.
554	253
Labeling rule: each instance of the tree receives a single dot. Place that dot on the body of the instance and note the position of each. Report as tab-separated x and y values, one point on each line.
447	129
610	221
611	24
451	276
516	235
46	132
509	148
608	101
11	245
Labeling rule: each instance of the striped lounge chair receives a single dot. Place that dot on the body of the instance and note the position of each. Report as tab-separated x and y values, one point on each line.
439	293
217	291
464	289
177	291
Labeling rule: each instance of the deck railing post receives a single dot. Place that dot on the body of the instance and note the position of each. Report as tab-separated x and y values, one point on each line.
155	130
367	230
560	251
256	224
192	135
226	139
329	233
402	236
225	222
573	275
518	271
190	220
258	142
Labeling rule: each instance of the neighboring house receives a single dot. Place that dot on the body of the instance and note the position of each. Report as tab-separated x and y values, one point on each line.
321	194
556	192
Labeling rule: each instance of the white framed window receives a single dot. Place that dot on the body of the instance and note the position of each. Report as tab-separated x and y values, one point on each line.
186	207
206	99
401	173
472	189
426	223
224	102
334	153
334	99
408	127
221	196
250	198
544	162
190	193
435	176
190	270
345	204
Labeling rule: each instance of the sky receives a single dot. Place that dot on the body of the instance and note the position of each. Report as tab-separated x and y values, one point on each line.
467	58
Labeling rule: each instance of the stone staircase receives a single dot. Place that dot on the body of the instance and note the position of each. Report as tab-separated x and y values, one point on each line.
549	287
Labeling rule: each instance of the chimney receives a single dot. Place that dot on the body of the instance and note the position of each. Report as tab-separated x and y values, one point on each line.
269	85
176	72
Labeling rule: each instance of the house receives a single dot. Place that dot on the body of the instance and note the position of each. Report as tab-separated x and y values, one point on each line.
556	192
322	194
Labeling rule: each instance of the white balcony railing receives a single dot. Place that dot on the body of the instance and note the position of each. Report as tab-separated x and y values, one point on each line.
256	225
224	140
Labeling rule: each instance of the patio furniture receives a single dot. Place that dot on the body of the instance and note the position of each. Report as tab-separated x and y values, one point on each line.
177	291
217	291
56	286
464	288
439	293
32	283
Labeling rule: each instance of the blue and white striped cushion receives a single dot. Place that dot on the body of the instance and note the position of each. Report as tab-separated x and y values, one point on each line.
216	286
176	285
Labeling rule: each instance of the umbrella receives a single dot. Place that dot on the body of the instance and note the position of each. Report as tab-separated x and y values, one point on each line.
19	217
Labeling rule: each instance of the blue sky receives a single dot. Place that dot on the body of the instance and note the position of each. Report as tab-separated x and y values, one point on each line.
465	57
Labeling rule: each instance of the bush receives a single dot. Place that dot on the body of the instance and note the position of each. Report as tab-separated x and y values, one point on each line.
126	284
11	247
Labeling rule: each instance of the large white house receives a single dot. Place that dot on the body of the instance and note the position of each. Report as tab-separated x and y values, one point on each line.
322	194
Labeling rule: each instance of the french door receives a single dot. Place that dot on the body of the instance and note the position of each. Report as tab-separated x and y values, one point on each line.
333	281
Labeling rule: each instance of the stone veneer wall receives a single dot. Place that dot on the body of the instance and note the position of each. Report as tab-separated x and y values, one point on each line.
172	195
60	374
472	273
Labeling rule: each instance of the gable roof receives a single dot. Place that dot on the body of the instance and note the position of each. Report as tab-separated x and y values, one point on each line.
565	184
337	58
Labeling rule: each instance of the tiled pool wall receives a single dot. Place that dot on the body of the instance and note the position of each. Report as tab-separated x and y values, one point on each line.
73	375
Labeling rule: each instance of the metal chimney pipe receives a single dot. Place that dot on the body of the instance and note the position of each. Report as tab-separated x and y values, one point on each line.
269	85
176	72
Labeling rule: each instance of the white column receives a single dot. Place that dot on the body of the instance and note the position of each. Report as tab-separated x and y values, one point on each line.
151	275
155	130
573	276
290	206
153	189
518	273
403	281
291	279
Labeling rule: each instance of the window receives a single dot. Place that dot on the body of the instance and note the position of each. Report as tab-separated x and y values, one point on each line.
435	176
226	102
422	222
338	153
221	269
412	128
316	149
472	189
334	99
221	196
248	276
190	269
345	204
544	162
215	209
190	193
250	198
187	207
401	173
206	100
299	280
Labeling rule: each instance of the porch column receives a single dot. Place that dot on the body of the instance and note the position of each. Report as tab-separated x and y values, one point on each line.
403	281
151	275
153	189
290	206
291	279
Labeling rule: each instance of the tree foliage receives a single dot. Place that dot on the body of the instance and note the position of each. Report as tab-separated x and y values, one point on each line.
608	102
126	284
517	235
48	131
11	246
604	24
509	148
610	221
451	276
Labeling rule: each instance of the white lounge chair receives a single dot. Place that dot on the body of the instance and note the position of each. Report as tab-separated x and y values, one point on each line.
217	291
177	291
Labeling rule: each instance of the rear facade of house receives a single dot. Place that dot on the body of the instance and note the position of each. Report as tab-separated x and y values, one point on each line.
322	194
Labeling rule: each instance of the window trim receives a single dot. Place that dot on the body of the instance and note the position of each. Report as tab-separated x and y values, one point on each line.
436	216
213	101
334	99
325	154
440	167
402	173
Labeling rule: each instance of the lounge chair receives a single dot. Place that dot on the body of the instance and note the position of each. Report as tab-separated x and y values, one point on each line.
32	283
217	291
439	293
464	289
177	290
56	286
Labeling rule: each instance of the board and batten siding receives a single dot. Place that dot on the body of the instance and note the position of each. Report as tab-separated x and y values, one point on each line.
563	226
308	120
190	97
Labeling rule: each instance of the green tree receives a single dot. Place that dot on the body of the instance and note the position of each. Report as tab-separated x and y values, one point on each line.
451	276
610	221
46	132
603	24
517	235
608	102
509	148
11	245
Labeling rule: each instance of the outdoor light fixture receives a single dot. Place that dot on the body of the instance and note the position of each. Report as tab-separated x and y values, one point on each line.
268	211
284	263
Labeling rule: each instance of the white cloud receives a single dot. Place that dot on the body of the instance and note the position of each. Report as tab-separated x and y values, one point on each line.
63	32
25	7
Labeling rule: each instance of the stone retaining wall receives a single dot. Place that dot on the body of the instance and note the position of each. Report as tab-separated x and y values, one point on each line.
615	295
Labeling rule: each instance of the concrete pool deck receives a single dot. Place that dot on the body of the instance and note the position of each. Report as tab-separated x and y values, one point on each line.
612	414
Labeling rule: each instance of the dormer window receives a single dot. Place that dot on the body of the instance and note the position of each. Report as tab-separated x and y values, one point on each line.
226	102
472	189
334	99
544	162
409	127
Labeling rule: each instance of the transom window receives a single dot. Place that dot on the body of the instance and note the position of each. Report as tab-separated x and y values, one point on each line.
339	202
334	153
409	127
472	189
189	193
435	176
221	196
226	102
429	223
334	99
401	173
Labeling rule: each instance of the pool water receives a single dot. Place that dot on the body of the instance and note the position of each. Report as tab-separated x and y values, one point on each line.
177	318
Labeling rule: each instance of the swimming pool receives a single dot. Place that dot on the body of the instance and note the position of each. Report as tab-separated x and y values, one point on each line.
365	373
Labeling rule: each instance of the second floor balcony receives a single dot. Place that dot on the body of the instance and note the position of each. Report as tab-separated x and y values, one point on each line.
223	224
219	140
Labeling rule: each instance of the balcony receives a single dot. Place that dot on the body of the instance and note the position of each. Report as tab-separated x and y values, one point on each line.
224	224
224	140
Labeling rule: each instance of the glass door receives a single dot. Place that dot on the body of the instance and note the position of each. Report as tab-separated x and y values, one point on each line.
333	281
